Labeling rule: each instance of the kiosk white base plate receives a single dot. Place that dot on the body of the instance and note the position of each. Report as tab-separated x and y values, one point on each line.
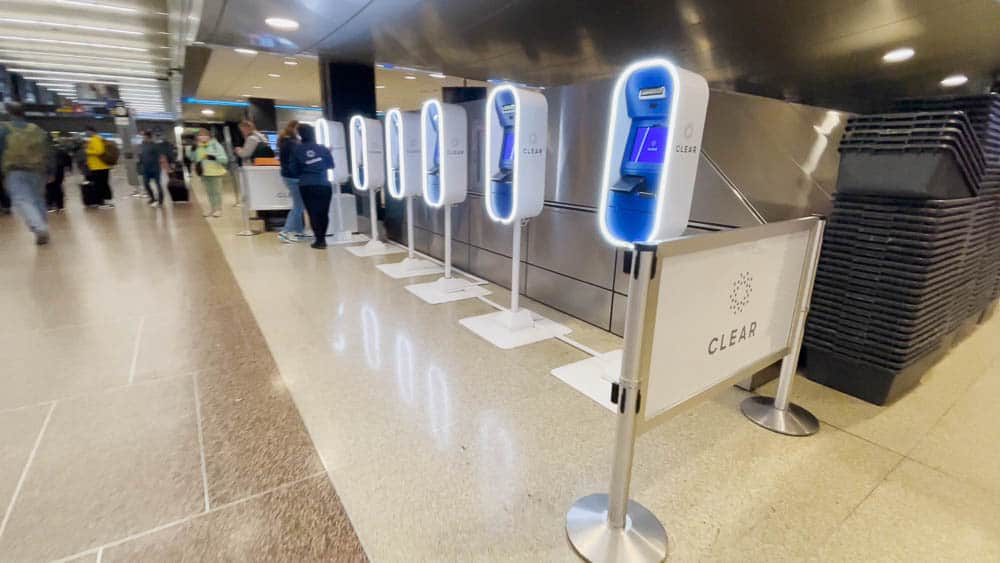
374	248
445	290
345	238
593	377
410	268
508	330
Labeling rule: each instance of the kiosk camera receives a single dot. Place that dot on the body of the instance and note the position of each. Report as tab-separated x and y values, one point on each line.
654	137
343	213
368	174
402	162
514	184
444	169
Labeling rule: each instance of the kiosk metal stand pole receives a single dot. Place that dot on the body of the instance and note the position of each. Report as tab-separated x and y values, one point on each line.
373	211
780	414
515	278
610	527
409	228
447	242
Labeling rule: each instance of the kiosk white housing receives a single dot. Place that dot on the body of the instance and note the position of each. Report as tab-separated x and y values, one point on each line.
343	214
651	159
445	176
402	164
514	184
651	153
368	174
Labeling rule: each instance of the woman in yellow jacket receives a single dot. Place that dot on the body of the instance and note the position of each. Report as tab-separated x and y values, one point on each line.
210	160
99	172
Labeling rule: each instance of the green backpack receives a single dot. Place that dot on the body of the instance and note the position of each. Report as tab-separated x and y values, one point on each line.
25	148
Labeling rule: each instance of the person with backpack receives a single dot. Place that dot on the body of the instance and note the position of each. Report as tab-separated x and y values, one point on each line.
295	223
310	163
254	143
26	162
150	166
210	163
101	158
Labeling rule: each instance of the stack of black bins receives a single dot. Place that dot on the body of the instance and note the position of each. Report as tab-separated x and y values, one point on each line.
912	247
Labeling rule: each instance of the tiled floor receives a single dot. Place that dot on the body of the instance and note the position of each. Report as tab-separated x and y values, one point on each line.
154	376
141	414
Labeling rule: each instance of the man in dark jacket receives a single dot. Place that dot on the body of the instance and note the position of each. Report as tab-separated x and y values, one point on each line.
310	163
150	153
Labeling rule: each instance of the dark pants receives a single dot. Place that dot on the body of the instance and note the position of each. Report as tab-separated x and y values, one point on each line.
102	187
317	202
153	176
55	198
4	198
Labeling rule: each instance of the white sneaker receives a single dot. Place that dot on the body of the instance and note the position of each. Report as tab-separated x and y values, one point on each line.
155	204
287	238
107	206
216	214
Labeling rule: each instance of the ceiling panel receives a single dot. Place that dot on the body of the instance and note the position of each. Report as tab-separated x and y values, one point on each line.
229	75
824	52
64	42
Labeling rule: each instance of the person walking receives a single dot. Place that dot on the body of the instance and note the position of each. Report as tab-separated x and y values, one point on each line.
55	197
99	171
309	163
209	160
295	224
25	158
150	154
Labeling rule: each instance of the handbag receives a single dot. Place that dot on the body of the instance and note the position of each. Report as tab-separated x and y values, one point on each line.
199	169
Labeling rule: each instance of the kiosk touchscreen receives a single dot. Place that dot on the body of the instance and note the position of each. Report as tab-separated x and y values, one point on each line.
368	175
444	169
343	212
402	161
514	184
654	138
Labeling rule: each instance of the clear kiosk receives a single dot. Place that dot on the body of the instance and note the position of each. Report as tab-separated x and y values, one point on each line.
343	213
368	175
444	171
402	162
514	184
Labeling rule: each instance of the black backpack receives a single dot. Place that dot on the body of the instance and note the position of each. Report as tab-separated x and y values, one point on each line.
263	149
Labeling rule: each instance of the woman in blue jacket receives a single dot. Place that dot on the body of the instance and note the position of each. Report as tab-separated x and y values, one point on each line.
310	163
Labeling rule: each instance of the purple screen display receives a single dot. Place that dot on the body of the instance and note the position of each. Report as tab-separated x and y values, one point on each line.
650	145
508	145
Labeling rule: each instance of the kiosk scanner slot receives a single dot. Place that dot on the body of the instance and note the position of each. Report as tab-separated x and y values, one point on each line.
632	198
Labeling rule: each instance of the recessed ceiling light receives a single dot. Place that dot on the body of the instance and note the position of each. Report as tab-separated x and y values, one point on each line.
246	95
208	112
954	80
379	87
243	51
283	24
437	75
314	106
197	42
408	77
898	55
256	87
273	75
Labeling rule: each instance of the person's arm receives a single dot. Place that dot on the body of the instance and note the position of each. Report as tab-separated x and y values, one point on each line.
219	153
328	159
249	145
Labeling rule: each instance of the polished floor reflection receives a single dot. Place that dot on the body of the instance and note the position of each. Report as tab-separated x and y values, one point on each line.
141	414
444	448
172	392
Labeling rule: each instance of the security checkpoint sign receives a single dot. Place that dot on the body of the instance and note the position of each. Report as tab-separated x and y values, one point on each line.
720	306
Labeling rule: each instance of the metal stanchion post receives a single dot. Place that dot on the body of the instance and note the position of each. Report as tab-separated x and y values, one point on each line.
780	414
515	279
447	241
409	228
373	211
610	527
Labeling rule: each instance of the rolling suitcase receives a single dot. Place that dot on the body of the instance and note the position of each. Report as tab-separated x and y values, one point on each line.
91	194
178	190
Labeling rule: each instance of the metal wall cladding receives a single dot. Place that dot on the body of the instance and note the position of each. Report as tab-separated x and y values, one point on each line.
762	160
582	300
569	242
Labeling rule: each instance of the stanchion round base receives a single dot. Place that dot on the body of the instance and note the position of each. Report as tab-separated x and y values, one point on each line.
643	538
793	421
